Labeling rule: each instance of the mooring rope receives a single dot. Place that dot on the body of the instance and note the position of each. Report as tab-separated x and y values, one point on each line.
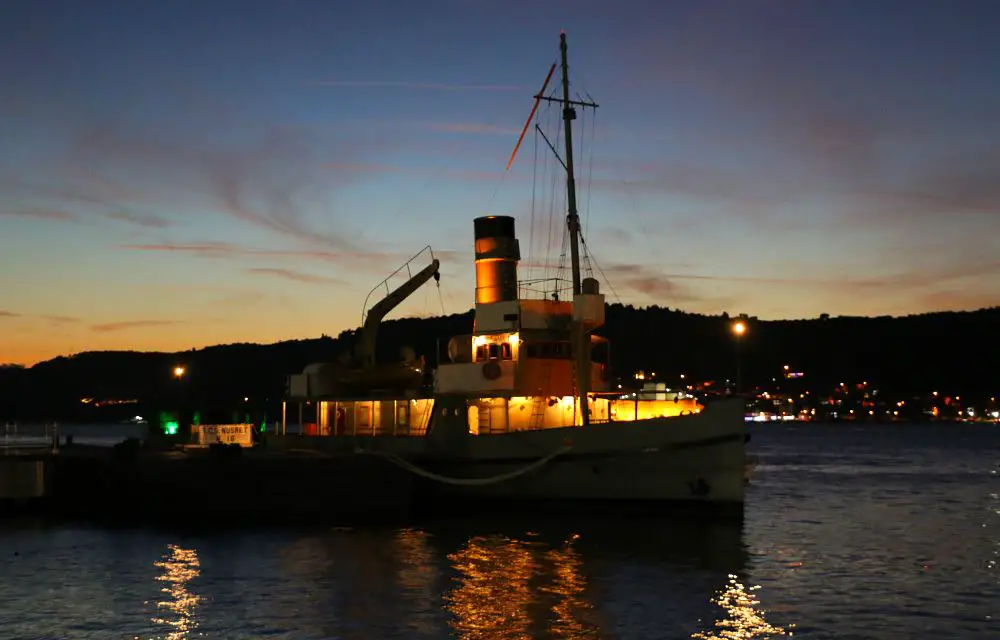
503	477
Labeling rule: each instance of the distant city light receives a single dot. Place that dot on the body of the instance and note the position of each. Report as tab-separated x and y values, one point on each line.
739	328
179	372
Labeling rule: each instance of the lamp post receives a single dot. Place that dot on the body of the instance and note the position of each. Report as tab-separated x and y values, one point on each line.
179	373
739	328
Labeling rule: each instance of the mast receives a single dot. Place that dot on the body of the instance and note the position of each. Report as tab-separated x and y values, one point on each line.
581	346
572	218
581	339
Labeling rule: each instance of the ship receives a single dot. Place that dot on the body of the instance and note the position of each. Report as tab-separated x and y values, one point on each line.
524	409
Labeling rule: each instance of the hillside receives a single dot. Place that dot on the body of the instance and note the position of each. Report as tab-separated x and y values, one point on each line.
955	352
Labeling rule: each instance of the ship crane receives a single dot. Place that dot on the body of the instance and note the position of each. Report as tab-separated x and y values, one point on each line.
364	353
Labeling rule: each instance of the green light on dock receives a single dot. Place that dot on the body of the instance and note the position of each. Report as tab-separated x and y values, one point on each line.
170	428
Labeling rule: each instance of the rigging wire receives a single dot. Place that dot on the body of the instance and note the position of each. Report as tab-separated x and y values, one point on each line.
552	220
534	184
585	145
601	271
590	169
437	281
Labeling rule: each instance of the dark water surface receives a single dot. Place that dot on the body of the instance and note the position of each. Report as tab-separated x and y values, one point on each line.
851	532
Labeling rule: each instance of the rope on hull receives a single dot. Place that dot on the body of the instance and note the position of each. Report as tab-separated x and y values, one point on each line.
469	482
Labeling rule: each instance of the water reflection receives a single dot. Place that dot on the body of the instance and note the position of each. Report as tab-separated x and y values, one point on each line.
744	617
417	577
179	566
586	581
493	593
572	612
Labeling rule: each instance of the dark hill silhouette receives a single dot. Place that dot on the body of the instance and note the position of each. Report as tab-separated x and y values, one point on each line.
954	352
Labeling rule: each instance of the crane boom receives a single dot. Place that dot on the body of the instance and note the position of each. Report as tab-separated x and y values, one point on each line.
365	353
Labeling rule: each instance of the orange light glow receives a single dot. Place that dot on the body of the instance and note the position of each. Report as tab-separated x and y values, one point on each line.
739	328
179	372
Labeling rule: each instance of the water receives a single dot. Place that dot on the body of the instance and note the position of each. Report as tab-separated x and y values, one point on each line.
851	532
15	435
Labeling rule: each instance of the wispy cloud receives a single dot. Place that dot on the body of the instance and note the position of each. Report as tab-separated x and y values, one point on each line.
269	176
649	281
39	214
49	318
432	86
469	127
379	260
60	319
131	324
297	276
947	286
150	221
444	171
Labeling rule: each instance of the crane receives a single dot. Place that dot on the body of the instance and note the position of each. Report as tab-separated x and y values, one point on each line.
364	353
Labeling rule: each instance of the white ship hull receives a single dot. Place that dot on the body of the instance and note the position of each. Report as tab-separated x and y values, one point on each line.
699	457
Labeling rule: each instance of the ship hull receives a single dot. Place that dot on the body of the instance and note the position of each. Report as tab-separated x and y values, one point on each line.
687	459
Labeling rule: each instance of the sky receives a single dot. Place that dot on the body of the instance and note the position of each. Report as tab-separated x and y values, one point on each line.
180	174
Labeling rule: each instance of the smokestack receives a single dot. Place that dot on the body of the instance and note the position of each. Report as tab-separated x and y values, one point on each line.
497	253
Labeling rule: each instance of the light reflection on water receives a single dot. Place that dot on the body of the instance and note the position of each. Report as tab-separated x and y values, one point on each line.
509	588
179	566
744	617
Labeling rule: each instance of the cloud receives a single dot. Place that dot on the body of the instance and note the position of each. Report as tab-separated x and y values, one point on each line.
297	276
444	171
95	191
432	86
950	285
150	221
268	176
60	319
950	300
469	127
40	214
131	324
647	280
764	120
378	260
50	318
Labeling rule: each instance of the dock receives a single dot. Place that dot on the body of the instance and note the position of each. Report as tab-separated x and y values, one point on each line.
217	485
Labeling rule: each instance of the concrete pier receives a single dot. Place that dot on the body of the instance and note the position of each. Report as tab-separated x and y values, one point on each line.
216	486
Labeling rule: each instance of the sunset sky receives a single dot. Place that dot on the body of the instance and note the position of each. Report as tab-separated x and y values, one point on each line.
180	174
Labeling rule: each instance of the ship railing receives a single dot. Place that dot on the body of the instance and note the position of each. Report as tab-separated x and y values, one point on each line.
545	288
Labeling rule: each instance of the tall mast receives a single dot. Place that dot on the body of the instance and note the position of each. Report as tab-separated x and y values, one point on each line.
572	218
581	340
581	346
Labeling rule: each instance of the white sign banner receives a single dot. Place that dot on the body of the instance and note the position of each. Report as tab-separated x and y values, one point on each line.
241	434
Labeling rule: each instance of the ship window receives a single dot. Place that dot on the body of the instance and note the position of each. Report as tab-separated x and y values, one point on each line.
482	353
494	351
552	350
505	351
364	416
402	414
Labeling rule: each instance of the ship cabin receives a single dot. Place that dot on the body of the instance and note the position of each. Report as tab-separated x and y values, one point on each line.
516	371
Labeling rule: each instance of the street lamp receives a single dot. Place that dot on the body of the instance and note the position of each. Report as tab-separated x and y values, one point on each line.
179	372
739	328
